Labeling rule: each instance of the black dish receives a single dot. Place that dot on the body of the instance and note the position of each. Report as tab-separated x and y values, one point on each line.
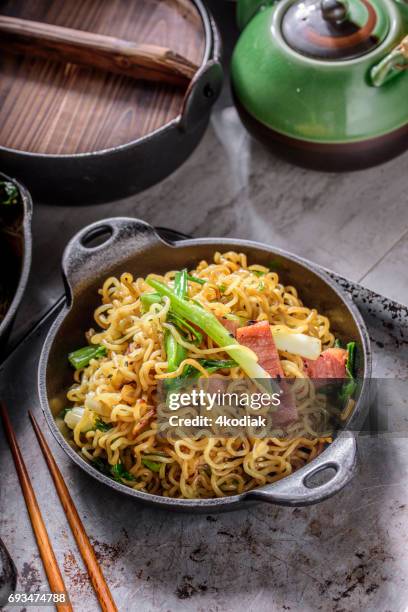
15	249
133	245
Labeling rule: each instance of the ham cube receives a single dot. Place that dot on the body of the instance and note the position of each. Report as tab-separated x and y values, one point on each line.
259	339
330	364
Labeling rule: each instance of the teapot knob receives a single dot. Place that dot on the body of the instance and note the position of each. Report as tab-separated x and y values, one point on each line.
334	11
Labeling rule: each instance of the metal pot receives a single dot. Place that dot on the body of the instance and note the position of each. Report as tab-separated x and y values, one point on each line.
121	171
134	245
21	263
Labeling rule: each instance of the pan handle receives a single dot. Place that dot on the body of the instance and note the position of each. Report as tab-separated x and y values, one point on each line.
298	490
205	86
104	245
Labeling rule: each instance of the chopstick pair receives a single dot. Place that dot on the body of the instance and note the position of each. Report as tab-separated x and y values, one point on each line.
55	579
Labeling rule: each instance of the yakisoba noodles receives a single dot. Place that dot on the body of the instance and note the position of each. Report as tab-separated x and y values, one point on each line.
114	419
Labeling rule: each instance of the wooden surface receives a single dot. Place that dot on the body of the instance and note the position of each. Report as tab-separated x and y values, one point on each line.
50	107
68	45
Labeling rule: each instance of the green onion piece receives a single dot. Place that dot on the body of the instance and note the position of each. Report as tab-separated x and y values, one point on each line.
338	343
152	465
180	283
174	351
351	359
258	272
119	473
218	363
182	323
81	358
197	303
213	328
347	391
349	387
195	279
102	426
147	299
8	193
211	365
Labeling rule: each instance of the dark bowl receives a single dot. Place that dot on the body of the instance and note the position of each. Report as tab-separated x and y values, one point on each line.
15	247
134	246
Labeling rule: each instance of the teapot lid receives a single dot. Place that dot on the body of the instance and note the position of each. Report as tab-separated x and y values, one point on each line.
335	29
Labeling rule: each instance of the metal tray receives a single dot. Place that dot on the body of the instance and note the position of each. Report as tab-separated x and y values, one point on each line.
344	554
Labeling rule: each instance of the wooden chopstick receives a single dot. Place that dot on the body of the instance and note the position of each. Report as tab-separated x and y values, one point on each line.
138	61
55	579
85	547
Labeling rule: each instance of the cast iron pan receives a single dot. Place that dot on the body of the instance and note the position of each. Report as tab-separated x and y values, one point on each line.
133	245
116	172
15	251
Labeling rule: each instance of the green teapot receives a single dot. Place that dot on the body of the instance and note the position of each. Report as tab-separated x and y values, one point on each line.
322	81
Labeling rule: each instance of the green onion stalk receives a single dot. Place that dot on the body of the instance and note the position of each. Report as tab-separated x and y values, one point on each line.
210	325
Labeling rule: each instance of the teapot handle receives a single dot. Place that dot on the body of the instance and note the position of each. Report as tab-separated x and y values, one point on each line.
246	9
391	65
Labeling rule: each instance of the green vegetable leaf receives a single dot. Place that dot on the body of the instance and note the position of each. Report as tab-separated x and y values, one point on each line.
211	365
258	272
174	351
147	299
152	465
195	279
8	193
347	391
102	426
349	387
183	324
210	325
81	358
338	343
218	363
180	283
351	359
119	473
